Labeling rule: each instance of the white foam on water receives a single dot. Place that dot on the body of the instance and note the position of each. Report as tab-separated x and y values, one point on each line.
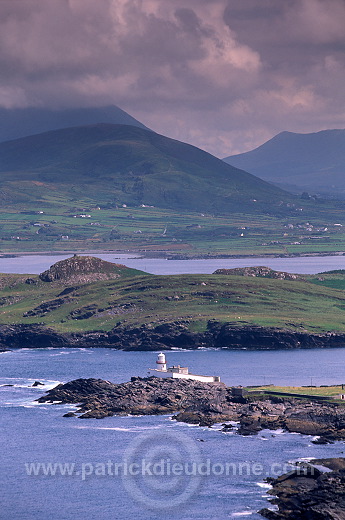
113	429
280	431
64	353
242	513
135	429
24	382
264	485
22	393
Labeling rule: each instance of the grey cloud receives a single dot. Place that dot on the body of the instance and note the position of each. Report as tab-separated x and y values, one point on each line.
222	74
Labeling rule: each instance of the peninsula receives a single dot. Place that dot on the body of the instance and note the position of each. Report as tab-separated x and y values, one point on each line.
202	403
84	301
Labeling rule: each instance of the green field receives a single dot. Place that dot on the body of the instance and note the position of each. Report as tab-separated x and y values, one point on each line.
58	226
324	391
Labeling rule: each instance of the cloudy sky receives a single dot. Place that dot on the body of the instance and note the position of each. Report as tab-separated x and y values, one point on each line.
224	75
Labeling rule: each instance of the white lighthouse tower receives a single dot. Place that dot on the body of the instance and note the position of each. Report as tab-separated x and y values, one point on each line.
177	372
161	362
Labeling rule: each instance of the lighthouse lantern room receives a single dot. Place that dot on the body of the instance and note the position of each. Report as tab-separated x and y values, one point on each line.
161	362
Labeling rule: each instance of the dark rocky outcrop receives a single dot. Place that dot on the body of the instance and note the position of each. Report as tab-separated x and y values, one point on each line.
144	396
82	269
201	403
31	336
310	494
260	272
45	307
163	336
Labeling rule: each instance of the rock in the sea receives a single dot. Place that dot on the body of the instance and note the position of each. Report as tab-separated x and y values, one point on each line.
200	403
310	495
203	403
38	383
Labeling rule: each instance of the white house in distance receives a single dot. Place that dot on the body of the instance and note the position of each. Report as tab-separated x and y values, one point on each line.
178	372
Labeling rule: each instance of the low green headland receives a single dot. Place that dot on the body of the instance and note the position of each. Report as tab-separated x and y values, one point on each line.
85	294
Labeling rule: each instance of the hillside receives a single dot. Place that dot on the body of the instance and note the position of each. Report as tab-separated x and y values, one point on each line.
22	122
84	301
312	162
120	187
129	165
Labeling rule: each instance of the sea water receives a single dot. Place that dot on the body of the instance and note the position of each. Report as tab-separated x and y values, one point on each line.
35	263
229	470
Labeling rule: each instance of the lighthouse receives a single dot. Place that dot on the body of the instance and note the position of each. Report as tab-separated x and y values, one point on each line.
177	372
161	363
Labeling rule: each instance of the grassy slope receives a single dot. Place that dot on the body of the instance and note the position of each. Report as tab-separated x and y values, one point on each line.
133	166
135	300
325	391
201	204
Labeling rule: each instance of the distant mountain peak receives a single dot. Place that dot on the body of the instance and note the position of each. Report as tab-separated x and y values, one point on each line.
22	122
313	162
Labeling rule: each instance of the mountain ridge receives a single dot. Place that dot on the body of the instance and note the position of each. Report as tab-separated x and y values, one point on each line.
135	166
312	161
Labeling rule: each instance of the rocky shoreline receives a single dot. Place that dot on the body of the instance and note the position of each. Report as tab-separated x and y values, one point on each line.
314	491
167	336
201	403
306	493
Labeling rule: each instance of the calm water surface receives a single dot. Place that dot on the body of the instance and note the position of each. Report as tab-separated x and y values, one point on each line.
35	264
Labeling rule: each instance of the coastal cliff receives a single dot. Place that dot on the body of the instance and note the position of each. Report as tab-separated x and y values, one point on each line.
166	336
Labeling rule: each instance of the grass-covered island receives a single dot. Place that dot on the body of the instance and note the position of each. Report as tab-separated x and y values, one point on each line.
87	302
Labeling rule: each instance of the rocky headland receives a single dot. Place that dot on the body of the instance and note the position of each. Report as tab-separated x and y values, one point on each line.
201	403
260	272
315	491
307	493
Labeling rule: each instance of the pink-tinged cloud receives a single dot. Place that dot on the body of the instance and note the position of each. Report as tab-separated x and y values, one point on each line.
224	75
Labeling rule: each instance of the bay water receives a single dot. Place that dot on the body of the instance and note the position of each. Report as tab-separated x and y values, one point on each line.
37	263
229	470
88	458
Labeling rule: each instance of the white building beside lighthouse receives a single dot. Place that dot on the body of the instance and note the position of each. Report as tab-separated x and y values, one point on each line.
178	372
